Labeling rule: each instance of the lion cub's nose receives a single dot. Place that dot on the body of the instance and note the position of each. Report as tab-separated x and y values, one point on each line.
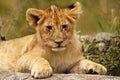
58	42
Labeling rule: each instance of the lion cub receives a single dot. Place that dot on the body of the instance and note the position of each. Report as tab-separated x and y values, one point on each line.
54	48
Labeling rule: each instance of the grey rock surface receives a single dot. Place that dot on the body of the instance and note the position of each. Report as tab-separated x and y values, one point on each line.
26	76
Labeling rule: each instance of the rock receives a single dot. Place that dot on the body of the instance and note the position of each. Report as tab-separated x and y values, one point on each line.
97	37
101	40
26	76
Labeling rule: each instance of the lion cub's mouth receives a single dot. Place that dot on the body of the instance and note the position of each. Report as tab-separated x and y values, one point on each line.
59	48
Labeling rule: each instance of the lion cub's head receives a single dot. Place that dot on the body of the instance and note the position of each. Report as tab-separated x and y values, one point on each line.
54	26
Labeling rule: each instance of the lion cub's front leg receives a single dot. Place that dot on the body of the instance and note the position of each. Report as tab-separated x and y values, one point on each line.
87	66
39	67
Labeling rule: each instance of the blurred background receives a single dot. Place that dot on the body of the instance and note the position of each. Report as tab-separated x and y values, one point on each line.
98	16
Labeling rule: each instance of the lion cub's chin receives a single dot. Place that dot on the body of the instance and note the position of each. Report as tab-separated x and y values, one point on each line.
58	49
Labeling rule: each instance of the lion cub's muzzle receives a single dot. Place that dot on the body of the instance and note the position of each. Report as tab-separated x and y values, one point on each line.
59	46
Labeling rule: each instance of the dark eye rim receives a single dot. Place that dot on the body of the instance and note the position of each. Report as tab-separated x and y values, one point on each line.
64	26
49	27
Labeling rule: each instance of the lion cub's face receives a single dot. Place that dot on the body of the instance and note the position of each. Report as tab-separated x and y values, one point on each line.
54	26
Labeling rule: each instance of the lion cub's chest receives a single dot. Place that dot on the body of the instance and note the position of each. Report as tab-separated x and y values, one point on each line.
61	62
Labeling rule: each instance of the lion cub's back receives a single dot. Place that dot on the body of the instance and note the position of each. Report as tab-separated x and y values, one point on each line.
11	50
14	45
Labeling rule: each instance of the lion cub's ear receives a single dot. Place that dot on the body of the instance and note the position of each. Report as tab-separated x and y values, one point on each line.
33	16
75	10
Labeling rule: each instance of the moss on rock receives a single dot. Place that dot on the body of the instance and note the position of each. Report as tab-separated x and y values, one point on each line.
104	51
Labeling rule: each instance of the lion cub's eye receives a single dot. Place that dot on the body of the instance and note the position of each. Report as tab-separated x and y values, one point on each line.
64	27
49	28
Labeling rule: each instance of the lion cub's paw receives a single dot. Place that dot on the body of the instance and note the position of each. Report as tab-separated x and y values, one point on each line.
92	67
41	71
97	69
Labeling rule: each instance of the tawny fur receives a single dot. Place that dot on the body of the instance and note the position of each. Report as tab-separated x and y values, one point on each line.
40	53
